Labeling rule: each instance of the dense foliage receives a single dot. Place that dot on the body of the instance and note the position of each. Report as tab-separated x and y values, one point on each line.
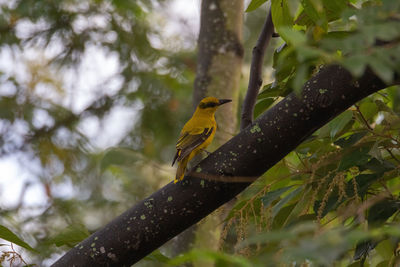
91	92
332	201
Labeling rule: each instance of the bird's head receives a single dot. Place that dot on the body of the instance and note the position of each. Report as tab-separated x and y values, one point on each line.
210	104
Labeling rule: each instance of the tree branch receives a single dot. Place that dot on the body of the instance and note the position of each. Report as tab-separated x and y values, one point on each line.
255	80
175	207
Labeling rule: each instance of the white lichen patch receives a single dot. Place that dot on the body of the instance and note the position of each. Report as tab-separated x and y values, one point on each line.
112	256
148	204
102	250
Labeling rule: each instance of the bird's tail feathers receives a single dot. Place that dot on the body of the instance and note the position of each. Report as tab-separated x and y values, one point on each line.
180	172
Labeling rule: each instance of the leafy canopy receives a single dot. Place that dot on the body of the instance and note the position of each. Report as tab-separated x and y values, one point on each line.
335	199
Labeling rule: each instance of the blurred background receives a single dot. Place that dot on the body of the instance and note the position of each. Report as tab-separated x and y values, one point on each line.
93	95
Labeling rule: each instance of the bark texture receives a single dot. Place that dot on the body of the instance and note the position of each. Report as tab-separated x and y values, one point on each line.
220	54
175	207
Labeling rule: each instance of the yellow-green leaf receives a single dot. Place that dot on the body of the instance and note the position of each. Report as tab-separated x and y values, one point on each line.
254	4
8	235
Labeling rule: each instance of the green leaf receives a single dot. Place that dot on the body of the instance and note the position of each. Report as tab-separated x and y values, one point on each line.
281	216
254	4
157	256
300	78
338	123
382	211
381	68
292	36
285	200
382	106
70	236
368	110
300	206
318	18
269	90
355	64
271	196
385	249
262	105
363	182
357	157
363	248
350	140
310	10
334	9
281	15
377	166
8	235
306	53
384	263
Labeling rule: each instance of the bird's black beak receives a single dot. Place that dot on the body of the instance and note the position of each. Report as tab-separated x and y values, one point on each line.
223	101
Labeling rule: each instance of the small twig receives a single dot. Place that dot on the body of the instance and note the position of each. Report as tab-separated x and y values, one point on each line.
255	80
13	256
363	118
370	128
393	156
301	160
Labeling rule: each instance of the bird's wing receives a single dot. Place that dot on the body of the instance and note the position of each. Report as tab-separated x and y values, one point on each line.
190	140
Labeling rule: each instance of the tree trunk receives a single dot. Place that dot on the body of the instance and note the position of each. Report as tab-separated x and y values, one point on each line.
219	63
220	59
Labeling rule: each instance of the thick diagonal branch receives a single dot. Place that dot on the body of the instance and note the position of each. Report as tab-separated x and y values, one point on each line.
175	207
255	80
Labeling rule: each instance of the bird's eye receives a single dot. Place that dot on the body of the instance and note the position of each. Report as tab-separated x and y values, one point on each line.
204	105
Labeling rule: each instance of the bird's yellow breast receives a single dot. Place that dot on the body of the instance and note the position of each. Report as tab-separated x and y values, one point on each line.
196	125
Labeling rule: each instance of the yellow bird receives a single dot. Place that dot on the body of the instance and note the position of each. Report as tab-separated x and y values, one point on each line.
197	133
